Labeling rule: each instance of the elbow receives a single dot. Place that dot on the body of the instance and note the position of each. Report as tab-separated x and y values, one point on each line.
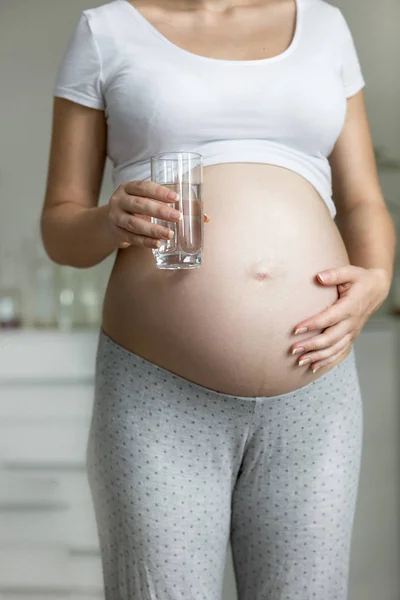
52	249
51	244
70	240
56	249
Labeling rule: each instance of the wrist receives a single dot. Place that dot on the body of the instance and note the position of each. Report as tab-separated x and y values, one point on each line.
106	228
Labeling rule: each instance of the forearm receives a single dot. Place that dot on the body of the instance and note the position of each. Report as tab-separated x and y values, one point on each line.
76	236
369	235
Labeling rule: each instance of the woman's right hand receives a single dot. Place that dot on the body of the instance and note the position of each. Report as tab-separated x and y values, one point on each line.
130	209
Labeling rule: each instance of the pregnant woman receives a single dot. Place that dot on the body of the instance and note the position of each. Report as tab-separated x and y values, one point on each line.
227	403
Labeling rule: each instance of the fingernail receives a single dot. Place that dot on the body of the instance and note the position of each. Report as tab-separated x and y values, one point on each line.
301	330
176	215
297	350
304	361
321	277
315	369
173	196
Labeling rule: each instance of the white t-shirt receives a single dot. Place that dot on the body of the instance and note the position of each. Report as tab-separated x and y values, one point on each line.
287	110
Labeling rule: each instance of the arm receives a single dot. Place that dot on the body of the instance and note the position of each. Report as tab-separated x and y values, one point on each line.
362	217
74	229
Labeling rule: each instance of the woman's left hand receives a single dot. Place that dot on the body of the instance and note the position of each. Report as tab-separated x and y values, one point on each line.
361	291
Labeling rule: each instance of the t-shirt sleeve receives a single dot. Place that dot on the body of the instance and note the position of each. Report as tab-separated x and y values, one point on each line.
352	77
79	77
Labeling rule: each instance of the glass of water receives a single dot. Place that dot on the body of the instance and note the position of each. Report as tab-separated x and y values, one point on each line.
181	172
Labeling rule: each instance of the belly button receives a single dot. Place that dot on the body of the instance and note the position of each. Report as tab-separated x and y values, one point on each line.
261	276
260	271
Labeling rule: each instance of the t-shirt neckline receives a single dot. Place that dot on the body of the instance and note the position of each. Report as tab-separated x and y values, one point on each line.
293	44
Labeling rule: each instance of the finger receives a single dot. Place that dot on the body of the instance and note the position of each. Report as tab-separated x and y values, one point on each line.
345	274
319	355
150	208
339	311
135	224
150	189
123	245
323	363
328	337
135	239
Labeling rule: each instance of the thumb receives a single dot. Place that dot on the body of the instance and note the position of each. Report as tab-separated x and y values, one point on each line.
346	274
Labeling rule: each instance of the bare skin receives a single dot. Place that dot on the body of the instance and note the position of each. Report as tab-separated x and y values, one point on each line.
247	31
228	325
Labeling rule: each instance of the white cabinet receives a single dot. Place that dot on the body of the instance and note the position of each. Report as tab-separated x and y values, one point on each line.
375	564
48	538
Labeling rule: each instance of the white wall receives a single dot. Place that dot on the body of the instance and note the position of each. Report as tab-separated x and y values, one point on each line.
375	30
33	37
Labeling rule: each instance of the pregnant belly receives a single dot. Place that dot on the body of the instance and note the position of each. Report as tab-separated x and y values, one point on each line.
228	325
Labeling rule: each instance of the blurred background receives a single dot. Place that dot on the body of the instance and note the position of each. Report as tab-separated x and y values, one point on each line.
49	318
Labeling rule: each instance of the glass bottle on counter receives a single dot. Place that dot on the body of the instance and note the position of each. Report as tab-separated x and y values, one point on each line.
78	298
10	308
88	298
44	301
66	297
10	292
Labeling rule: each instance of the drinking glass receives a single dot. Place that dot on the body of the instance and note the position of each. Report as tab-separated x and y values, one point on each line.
181	172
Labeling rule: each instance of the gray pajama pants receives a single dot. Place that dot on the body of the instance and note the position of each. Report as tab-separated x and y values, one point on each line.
177	470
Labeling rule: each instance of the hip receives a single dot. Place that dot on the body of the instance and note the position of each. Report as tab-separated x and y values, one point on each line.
129	377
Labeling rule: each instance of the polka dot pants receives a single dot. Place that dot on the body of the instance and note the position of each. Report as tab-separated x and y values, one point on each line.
177	471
